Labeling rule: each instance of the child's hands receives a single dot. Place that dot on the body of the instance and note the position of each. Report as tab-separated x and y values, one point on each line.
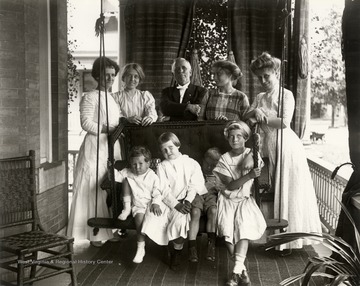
223	192
187	204
155	208
183	208
254	173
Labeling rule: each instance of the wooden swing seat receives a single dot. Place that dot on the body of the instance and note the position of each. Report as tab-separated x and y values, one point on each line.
195	137
276	224
129	223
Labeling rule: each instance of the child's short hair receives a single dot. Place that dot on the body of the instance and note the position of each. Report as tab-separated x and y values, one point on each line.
138	151
240	125
213	153
169	136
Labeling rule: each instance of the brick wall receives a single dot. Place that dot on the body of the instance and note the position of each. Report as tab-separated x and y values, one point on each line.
20	98
52	210
13	98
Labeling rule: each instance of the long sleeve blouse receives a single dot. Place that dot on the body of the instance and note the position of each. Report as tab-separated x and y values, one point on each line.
141	104
89	111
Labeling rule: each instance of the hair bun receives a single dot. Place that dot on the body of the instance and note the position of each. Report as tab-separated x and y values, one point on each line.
233	68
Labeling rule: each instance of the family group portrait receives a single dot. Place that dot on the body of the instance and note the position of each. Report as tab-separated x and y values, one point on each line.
179	142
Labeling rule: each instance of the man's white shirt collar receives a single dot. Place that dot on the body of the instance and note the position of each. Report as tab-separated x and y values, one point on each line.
185	86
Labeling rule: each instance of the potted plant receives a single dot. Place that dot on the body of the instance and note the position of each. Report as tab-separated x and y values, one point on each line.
342	270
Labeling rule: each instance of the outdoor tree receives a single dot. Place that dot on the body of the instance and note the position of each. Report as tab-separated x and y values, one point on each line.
328	74
73	75
209	36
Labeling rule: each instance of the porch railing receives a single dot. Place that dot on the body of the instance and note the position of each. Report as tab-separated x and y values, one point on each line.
72	157
328	191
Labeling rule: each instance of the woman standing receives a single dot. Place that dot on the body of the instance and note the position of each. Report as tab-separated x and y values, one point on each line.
294	190
104	71
225	102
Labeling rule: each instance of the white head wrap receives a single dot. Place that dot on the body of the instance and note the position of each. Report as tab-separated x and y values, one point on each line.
246	131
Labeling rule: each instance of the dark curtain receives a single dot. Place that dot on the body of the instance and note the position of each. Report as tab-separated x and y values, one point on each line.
254	26
351	53
299	66
157	31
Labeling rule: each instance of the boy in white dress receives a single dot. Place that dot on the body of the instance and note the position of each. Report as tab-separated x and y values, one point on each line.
181	179
140	192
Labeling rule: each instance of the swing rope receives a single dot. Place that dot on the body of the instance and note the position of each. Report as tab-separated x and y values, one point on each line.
99	31
280	111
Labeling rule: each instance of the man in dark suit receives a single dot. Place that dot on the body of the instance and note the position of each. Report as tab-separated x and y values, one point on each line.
182	102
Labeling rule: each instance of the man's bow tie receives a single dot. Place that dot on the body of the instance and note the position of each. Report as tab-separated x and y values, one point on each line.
182	87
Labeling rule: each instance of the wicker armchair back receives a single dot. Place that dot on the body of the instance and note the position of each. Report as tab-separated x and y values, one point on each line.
18	214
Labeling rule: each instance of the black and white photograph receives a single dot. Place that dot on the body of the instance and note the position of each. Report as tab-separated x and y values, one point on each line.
180	142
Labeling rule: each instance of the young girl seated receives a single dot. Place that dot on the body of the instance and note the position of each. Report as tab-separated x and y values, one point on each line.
140	191
180	179
239	219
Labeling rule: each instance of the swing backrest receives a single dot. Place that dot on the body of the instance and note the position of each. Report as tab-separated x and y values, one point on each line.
195	137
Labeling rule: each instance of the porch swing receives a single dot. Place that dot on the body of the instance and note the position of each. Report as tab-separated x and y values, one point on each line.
209	133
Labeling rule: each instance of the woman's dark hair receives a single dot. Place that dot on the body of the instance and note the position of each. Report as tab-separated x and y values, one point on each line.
103	63
265	61
135	67
232	68
138	151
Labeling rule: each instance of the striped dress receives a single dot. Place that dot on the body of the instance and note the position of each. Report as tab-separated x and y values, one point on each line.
84	199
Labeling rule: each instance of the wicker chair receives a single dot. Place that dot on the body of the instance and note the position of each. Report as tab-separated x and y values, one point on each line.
19	252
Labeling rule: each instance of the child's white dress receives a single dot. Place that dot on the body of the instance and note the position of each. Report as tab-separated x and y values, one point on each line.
145	189
180	179
238	217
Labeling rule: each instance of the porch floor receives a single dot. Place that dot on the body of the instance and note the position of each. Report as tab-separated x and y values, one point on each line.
112	265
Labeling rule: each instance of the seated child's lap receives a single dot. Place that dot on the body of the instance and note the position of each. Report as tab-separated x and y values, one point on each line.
137	210
205	202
